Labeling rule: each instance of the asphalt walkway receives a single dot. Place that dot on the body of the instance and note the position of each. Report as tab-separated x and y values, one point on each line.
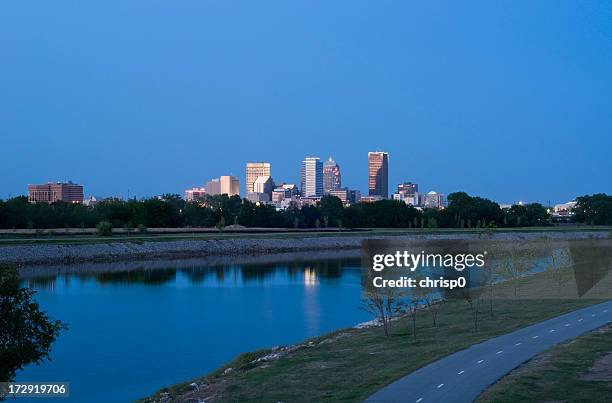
462	376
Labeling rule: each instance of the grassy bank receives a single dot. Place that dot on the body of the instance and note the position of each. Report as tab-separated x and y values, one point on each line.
563	373
350	365
60	236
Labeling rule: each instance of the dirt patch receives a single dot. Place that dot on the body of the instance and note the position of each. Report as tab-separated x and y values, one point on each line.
601	370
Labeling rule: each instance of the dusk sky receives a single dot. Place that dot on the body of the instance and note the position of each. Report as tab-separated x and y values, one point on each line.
506	100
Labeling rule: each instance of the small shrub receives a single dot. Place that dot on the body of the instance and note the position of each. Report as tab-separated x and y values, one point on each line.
142	229
104	228
221	224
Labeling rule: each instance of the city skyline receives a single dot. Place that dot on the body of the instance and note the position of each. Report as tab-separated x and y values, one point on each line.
507	101
256	170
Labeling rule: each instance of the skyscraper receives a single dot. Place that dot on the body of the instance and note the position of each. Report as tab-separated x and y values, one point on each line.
223	185
229	185
253	171
331	176
378	174
311	177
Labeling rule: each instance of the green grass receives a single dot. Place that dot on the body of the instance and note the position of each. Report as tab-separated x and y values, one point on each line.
352	364
555	375
58	237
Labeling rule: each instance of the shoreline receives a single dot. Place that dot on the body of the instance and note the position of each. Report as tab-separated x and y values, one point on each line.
45	254
360	343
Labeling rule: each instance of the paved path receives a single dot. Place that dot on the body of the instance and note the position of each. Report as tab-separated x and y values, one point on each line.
462	376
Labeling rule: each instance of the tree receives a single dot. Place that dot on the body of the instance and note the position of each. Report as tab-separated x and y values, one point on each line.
331	207
412	307
26	332
383	304
221	224
594	210
462	206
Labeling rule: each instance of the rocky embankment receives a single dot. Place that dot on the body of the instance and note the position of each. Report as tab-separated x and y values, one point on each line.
45	254
53	254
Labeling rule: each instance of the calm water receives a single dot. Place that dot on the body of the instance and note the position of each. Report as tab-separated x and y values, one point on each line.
133	332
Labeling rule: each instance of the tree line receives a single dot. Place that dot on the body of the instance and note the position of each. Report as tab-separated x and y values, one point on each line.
171	211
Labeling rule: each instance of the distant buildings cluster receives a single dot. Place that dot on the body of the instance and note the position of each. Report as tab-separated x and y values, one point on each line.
408	192
317	179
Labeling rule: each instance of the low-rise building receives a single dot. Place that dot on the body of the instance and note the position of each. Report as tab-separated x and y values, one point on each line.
195	194
433	200
55	191
285	191
346	195
256	197
371	198
225	184
564	209
412	199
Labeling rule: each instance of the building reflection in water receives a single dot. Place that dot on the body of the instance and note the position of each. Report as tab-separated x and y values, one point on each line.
40	283
310	276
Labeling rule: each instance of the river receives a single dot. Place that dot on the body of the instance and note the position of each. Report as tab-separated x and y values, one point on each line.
134	331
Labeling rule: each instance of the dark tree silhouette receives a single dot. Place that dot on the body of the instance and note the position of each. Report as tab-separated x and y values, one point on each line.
26	332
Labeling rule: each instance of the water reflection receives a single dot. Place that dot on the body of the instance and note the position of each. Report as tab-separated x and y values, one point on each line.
310	276
307	272
147	277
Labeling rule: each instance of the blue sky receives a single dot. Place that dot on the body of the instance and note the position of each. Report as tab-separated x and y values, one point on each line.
508	100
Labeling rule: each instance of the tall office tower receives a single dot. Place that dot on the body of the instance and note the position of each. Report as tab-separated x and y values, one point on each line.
311	177
331	176
213	187
253	171
378	174
229	185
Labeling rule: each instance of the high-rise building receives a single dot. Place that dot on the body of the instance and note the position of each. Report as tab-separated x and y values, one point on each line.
311	177
331	176
213	187
378	174
226	184
229	185
53	192
263	184
253	171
